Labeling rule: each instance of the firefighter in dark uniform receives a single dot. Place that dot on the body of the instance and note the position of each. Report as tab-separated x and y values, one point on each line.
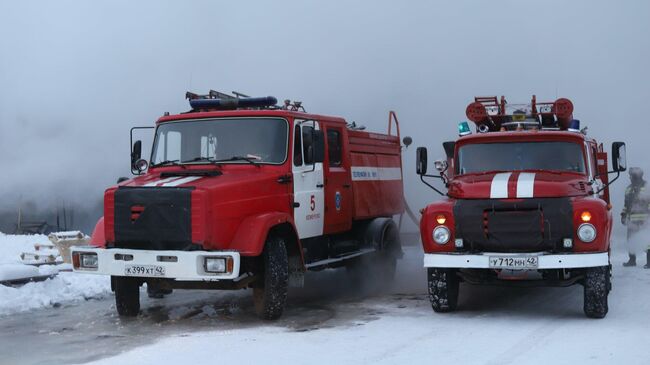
635	214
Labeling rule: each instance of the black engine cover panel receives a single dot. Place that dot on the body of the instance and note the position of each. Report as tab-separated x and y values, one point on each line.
527	225
154	218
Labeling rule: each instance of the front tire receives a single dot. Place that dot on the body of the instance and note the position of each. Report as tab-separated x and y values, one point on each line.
127	295
443	289
270	295
596	290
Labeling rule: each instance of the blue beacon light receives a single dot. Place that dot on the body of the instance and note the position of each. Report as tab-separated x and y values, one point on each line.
463	129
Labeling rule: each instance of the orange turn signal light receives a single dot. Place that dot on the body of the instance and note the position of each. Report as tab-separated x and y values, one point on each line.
585	216
441	219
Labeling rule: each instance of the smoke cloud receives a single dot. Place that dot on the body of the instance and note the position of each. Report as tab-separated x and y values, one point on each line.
75	76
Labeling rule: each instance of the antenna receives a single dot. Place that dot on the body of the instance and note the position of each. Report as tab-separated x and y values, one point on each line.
240	95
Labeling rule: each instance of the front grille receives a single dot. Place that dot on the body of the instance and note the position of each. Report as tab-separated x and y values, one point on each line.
515	229
153	218
528	225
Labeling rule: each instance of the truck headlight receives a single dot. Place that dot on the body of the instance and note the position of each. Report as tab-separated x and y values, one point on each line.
85	260
587	232
441	235
215	265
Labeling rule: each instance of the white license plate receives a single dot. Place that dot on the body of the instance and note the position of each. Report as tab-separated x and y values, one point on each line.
514	262
144	270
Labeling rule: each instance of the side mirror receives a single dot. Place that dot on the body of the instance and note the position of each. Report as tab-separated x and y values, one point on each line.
421	160
619	161
136	153
318	141
407	141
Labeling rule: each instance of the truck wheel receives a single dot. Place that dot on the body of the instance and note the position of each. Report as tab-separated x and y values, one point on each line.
127	295
271	294
596	290
443	289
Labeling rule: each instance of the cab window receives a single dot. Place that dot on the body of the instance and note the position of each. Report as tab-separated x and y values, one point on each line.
307	135
334	147
297	147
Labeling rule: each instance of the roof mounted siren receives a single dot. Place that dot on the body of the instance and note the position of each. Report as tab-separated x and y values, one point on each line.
216	100
490	114
555	115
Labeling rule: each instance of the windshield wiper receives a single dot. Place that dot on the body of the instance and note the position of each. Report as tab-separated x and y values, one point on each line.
199	159
191	173
478	173
168	162
239	158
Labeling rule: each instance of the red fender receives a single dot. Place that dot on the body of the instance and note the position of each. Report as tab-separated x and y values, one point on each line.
251	235
98	238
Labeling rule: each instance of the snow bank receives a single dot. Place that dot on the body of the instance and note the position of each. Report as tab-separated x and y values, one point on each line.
17	271
11	246
65	287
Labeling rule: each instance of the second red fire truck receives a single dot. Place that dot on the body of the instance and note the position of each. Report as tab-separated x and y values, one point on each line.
242	193
527	204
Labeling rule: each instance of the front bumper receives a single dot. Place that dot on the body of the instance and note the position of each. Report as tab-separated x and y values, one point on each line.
178	265
545	260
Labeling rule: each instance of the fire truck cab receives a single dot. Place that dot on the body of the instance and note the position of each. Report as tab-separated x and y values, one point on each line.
241	193
527	204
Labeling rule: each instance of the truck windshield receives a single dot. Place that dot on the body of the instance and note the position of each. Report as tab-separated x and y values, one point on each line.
519	156
228	140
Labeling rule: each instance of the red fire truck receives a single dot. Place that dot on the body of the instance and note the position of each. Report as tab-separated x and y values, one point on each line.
241	193
527	204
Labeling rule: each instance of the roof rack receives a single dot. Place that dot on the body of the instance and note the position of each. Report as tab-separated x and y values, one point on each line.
490	114
216	100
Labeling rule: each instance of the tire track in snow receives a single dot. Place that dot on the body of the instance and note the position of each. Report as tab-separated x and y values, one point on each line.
535	337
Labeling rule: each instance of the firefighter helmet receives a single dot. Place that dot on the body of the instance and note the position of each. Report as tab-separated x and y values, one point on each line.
636	175
636	172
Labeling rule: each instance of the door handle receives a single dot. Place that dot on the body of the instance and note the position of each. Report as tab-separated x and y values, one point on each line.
347	186
320	186
284	179
296	204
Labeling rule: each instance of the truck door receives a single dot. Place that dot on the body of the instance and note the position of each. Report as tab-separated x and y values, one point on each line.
308	183
338	184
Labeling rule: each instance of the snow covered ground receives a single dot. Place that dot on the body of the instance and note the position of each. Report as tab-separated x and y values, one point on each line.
329	321
65	287
494	325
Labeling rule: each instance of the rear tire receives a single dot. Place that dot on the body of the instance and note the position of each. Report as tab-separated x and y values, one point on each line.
127	295
375	271
271	294
443	289
596	290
